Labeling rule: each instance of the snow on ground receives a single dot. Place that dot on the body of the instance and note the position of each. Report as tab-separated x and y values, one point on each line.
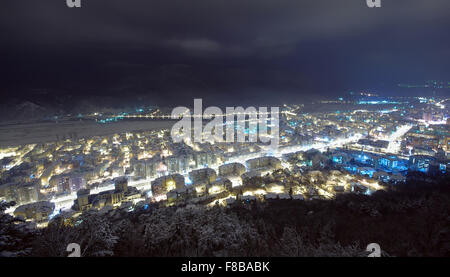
21	134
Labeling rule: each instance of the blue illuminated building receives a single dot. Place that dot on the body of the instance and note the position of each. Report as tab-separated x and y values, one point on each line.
420	163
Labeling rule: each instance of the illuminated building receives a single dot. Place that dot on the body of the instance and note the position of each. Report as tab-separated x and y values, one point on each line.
219	186
148	168
113	197
38	211
231	169
83	200
373	145
67	183
420	163
423	150
162	185
427	116
203	176
264	163
121	184
180	194
389	162
341	158
21	193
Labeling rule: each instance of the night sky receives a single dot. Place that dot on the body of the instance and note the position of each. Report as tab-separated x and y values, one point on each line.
225	51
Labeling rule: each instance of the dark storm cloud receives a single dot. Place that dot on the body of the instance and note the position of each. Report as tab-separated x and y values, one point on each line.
174	50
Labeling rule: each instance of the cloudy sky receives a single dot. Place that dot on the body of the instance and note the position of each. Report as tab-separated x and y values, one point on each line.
220	50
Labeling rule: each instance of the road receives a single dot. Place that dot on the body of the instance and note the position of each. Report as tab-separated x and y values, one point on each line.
394	142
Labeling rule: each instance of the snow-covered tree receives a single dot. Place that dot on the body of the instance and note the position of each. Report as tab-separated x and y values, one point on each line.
16	235
91	231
